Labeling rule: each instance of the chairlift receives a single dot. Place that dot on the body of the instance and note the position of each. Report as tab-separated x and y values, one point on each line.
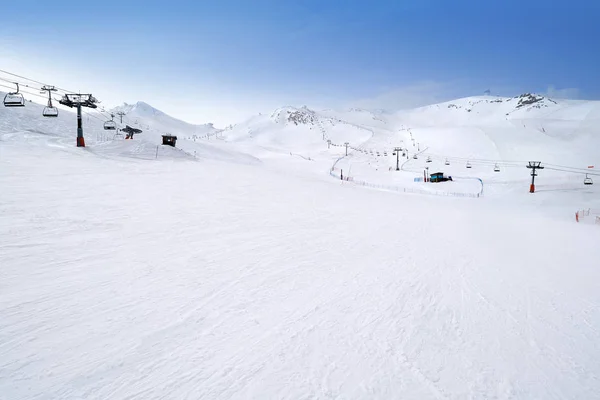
14	99
428	159
468	165
588	180
49	110
415	157
110	125
447	162
496	168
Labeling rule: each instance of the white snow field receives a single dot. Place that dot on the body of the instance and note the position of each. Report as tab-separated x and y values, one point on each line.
246	271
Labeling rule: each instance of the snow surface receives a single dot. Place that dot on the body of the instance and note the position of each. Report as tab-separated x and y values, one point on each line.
240	268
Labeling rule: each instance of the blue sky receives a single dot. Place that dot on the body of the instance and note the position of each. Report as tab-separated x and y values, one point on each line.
224	60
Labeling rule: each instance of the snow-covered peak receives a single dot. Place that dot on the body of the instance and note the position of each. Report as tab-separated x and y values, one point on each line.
292	115
144	115
140	109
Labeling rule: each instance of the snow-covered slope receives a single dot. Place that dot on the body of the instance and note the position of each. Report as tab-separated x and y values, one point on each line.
488	133
27	127
255	274
147	117
296	129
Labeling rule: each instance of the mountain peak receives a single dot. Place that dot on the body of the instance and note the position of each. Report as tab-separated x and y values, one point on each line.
297	116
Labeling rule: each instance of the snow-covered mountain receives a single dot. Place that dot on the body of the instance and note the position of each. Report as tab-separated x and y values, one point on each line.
260	262
148	117
495	136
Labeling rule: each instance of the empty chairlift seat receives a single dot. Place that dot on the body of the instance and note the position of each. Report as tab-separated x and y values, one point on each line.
110	125
14	99
50	111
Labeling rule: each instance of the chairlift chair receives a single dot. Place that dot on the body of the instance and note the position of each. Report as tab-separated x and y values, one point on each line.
51	112
14	99
496	168
110	125
588	180
468	165
428	159
415	157
447	162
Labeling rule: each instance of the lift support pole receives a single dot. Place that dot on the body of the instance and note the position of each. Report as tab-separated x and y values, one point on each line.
397	150
79	100
80	139
534	165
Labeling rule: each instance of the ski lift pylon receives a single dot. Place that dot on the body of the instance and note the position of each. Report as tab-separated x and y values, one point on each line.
14	99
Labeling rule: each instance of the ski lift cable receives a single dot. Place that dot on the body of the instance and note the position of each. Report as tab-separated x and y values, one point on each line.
24	92
564	166
37	90
92	115
38	82
518	164
25	85
476	160
59	91
573	172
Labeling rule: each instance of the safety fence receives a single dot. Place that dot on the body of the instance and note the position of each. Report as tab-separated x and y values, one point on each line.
588	216
338	174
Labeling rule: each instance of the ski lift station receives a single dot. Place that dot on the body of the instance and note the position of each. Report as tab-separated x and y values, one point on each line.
169	140
439	177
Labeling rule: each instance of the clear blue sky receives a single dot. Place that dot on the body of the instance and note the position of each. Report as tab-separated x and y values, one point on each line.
222	60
